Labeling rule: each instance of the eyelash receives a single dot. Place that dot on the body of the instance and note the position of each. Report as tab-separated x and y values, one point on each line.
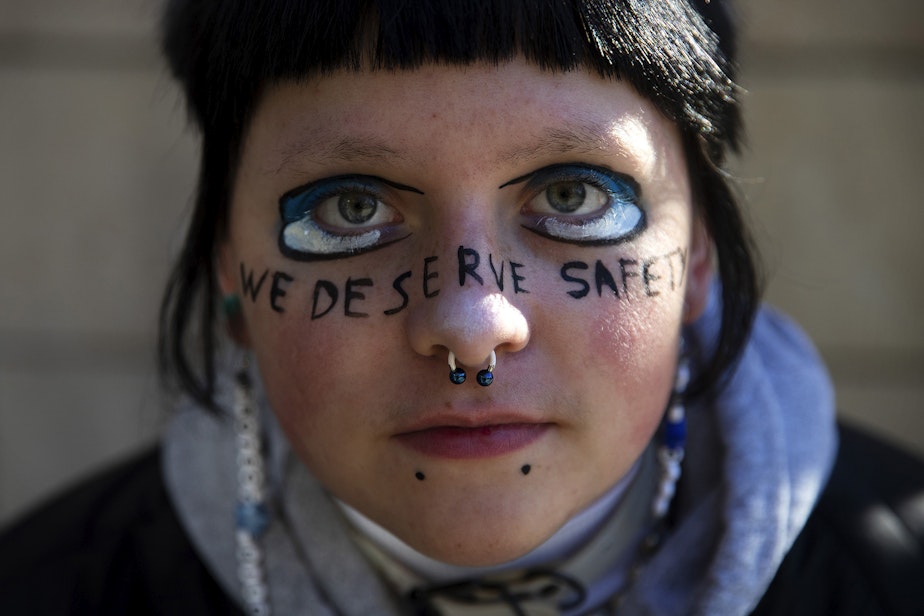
617	219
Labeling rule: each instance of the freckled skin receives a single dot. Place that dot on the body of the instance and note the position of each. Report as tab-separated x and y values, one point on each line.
598	370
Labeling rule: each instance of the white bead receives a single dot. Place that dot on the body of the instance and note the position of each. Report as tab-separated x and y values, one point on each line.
683	375
660	508
676	413
673	471
667	490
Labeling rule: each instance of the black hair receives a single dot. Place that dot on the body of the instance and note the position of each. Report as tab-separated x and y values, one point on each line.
677	53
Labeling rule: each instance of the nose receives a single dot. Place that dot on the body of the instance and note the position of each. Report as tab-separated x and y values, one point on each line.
471	321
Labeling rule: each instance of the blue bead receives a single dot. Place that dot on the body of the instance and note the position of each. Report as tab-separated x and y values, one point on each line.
485	378
675	434
457	376
252	517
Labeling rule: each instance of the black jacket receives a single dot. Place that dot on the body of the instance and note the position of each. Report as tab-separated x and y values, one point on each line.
115	546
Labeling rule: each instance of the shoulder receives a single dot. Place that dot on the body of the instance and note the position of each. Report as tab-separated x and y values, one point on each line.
111	545
862	549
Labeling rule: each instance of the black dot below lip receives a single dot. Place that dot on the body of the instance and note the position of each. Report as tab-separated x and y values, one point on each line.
525	469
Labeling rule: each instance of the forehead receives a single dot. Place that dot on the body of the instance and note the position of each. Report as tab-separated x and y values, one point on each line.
499	114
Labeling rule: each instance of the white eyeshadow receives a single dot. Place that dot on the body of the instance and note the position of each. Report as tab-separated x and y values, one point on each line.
614	224
309	239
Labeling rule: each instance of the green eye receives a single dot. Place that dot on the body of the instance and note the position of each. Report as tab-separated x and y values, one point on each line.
338	216
583	204
566	197
357	209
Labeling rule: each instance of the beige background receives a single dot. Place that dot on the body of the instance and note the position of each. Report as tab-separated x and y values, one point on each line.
97	168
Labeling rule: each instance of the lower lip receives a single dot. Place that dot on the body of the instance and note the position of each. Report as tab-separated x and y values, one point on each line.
480	442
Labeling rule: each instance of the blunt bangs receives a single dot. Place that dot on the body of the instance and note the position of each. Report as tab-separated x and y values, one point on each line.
672	52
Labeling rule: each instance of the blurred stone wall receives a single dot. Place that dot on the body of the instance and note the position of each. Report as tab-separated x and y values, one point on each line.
835	114
97	168
96	173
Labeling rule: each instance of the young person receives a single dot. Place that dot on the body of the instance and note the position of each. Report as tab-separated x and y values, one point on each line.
467	322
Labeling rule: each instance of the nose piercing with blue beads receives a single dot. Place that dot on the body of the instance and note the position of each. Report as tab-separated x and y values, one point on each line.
484	377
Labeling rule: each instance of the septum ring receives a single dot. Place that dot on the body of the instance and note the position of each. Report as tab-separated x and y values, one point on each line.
484	377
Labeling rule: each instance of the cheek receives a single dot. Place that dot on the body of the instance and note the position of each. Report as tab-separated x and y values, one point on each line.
634	352
635	338
300	386
325	378
297	359
281	350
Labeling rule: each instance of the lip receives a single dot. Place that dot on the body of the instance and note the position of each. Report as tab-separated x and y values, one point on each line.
473	441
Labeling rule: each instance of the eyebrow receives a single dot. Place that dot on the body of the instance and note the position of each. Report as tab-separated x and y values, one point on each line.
316	146
573	139
578	138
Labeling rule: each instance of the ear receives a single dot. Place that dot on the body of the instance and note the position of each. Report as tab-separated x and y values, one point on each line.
700	273
227	286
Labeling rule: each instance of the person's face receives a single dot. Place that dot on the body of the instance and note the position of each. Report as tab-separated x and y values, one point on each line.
381	219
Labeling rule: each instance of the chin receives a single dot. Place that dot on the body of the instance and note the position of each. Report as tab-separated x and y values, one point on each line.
479	531
483	547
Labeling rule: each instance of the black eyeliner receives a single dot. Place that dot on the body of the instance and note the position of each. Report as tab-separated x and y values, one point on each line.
549	169
349	177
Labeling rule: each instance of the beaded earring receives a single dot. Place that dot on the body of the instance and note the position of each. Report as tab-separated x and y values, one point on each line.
671	450
251	514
